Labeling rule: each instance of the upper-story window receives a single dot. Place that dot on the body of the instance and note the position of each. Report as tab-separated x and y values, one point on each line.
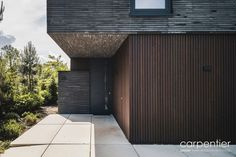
150	7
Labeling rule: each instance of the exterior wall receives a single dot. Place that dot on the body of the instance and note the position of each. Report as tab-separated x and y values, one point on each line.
114	16
121	85
182	88
73	95
173	87
79	64
166	87
70	84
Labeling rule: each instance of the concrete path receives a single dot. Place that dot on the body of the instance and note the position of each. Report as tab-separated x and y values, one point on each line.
91	136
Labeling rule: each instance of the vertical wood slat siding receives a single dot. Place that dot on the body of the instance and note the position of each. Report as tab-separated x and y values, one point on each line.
171	97
121	84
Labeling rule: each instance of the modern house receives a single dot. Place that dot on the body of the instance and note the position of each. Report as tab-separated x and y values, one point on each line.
166	69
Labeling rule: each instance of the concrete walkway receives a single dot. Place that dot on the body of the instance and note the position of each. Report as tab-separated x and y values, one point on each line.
91	136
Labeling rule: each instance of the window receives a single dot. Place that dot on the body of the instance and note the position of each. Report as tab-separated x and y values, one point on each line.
150	7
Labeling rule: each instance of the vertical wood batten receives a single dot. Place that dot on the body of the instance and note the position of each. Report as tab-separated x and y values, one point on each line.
172	98
121	88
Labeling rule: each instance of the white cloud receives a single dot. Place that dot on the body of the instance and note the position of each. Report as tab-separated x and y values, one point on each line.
26	21
6	39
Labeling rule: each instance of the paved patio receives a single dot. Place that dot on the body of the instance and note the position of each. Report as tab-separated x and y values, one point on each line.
92	136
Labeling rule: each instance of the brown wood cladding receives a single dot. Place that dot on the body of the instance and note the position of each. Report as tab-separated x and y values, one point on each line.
121	94
182	87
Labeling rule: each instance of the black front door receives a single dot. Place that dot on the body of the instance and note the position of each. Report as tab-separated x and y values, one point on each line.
100	99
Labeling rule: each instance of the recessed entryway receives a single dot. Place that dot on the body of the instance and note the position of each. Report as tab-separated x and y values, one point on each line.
88	89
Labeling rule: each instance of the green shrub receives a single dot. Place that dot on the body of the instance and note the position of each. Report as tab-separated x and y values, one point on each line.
30	118
11	129
50	93
25	114
53	91
4	145
5	106
46	96
27	102
11	115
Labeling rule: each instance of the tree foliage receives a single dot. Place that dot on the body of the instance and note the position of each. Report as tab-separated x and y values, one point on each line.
29	65
11	61
48	78
11	55
25	83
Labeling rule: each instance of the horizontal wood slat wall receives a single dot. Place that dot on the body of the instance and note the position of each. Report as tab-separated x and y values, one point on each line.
182	87
114	16
73	92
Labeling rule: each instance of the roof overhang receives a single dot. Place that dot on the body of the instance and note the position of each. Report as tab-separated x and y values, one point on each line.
76	44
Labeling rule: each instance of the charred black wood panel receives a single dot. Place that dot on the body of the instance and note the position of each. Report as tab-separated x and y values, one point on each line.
79	64
73	92
114	16
99	83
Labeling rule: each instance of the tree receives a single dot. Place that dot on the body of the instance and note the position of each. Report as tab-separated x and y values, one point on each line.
5	87
48	79
2	76
51	67
11	60
28	68
2	80
11	55
53	91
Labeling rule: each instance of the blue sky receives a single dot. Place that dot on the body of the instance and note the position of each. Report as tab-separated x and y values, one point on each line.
25	20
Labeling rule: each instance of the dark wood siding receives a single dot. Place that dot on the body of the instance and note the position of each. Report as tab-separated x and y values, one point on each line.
121	84
182	88
73	92
114	16
79	64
